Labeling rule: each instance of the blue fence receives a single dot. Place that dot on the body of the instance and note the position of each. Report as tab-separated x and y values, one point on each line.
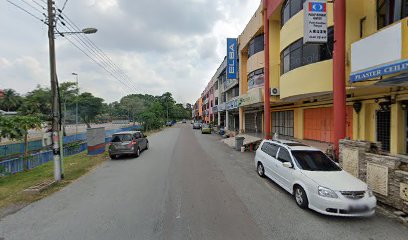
15	165
18	148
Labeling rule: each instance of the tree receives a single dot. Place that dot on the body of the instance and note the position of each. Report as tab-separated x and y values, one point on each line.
152	118
68	95
89	107
17	127
37	102
10	100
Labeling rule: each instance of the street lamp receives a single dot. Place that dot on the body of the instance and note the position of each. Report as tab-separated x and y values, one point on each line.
84	31
76	106
56	111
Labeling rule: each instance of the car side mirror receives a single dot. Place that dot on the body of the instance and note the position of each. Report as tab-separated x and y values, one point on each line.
287	164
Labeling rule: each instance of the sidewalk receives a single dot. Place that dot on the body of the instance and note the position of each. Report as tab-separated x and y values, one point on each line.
257	137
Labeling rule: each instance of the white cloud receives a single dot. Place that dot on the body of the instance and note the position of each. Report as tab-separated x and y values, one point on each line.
164	45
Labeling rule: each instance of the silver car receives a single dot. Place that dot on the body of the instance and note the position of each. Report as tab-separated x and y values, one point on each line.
127	143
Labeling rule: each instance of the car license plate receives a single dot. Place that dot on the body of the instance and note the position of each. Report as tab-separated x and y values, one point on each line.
358	208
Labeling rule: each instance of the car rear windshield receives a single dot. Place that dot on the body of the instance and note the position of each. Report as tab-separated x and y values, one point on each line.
205	126
122	138
314	161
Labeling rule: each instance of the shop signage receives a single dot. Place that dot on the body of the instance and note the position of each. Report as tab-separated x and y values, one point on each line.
221	107
232	58
315	21
390	68
252	97
232	104
215	109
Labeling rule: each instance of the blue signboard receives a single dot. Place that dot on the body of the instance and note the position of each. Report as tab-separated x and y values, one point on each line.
379	71
232	104
232	58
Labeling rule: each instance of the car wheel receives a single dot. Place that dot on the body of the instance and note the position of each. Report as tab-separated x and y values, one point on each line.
112	156
260	170
300	197
138	152
147	145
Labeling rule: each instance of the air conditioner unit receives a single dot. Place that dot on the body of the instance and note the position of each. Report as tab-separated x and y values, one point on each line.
275	92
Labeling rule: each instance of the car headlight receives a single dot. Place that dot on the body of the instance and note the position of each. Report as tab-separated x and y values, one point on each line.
326	192
370	192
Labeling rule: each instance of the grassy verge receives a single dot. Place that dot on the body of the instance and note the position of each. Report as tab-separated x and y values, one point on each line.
11	187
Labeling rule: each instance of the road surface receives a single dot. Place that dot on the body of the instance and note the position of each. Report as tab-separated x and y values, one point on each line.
186	186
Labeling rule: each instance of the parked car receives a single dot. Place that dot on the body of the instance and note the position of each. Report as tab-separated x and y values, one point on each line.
184	121
205	128
196	125
169	124
127	143
315	181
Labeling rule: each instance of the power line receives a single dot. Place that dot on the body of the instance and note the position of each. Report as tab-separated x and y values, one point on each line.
92	51
41	6
26	11
73	25
32	7
65	3
84	52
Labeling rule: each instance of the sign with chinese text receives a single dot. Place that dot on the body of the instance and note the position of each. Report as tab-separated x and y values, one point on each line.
232	58
315	28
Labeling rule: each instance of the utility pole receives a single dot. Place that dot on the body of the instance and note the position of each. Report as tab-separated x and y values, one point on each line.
54	91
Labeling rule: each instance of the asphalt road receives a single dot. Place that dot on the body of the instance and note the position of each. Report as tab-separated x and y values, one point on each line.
186	186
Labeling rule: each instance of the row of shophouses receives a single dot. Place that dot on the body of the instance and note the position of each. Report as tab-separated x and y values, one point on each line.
301	76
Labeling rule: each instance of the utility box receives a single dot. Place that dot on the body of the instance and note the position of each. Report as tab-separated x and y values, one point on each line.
239	142
95	138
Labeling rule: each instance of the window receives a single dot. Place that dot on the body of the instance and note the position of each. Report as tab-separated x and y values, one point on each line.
235	92
289	9
314	161
122	138
270	149
216	85
284	155
256	78
216	101
384	129
283	123
256	45
390	11
138	135
298	54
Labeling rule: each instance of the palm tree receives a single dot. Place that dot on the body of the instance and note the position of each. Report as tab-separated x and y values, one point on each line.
10	100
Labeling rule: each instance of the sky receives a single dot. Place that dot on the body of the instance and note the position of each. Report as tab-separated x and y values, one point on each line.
161	45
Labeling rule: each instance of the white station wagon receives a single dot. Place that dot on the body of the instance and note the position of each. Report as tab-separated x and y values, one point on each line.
315	181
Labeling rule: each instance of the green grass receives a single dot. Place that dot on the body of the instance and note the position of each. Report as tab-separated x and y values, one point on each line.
11	187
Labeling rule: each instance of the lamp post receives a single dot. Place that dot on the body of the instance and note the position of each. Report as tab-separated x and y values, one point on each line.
56	111
76	106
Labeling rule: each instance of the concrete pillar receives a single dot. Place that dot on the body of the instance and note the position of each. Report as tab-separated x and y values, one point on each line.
219	118
226	120
397	130
241	120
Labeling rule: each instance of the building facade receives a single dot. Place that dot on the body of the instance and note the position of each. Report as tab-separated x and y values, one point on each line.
301	79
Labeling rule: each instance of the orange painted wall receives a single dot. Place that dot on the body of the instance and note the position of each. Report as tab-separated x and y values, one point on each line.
318	124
